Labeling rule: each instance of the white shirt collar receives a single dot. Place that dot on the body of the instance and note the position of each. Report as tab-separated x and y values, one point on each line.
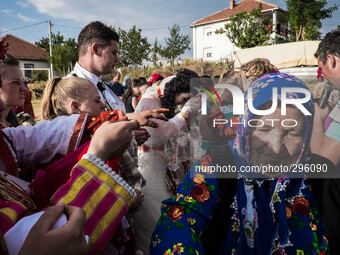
82	72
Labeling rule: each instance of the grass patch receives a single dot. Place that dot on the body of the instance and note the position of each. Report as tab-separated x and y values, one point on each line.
36	103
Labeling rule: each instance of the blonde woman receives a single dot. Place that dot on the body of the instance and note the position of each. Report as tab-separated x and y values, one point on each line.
66	96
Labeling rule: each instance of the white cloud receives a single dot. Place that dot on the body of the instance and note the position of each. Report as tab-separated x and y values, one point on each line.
3	29
149	15
23	5
124	14
25	18
7	11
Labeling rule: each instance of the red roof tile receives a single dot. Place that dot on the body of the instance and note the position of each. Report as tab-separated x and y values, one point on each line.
22	49
245	5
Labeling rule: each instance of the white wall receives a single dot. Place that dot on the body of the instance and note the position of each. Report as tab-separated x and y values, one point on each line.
219	45
205	41
35	63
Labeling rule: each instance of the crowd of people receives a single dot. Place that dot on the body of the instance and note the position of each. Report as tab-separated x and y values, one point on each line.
87	179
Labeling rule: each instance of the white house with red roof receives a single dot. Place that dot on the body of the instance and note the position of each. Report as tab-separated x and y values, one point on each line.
30	56
214	47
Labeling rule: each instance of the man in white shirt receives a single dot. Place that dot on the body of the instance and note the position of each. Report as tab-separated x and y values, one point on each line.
98	55
327	143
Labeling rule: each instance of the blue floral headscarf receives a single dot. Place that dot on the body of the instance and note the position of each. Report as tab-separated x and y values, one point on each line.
262	205
262	93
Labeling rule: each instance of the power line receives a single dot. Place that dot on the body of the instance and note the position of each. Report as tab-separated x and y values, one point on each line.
57	25
145	29
23	27
158	28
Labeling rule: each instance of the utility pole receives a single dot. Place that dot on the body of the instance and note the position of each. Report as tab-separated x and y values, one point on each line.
50	39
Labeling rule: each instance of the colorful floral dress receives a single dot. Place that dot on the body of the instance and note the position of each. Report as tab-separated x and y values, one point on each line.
271	216
186	215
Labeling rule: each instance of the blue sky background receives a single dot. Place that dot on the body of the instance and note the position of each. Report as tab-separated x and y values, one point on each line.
153	16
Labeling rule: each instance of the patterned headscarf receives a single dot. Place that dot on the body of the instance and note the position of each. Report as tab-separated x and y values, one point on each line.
262	93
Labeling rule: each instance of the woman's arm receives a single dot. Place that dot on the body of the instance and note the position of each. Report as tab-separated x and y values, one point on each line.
93	186
165	129
134	102
186	215
39	144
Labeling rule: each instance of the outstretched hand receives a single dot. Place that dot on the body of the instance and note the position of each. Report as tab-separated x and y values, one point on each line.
111	139
143	117
68	239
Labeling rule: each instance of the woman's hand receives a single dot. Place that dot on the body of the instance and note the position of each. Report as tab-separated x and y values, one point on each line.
68	239
111	139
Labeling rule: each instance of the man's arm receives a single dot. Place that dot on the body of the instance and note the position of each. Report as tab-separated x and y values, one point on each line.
321	143
318	133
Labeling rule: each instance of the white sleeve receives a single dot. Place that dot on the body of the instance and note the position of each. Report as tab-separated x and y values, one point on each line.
40	143
166	129
16	236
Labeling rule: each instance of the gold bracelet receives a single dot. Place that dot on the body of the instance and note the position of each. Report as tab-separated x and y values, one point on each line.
183	115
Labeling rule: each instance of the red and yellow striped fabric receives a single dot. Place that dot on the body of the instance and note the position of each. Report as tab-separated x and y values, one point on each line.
104	200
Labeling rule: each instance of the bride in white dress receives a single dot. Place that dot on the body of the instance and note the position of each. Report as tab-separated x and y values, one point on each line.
152	158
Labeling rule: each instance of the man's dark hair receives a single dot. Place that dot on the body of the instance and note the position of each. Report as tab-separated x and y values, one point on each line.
142	79
329	45
96	31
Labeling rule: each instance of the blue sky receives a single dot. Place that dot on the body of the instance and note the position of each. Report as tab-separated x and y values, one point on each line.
153	16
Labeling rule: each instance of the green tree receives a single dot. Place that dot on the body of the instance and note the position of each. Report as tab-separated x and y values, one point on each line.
56	39
305	18
175	45
247	30
155	53
65	55
64	52
133	48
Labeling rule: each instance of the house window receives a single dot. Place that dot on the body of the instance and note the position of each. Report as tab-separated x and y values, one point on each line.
28	73
207	52
207	31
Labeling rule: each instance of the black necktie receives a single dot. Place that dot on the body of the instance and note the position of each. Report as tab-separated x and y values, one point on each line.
100	86
102	90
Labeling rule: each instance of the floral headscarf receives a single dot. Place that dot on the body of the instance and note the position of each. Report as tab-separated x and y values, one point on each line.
262	205
262	93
